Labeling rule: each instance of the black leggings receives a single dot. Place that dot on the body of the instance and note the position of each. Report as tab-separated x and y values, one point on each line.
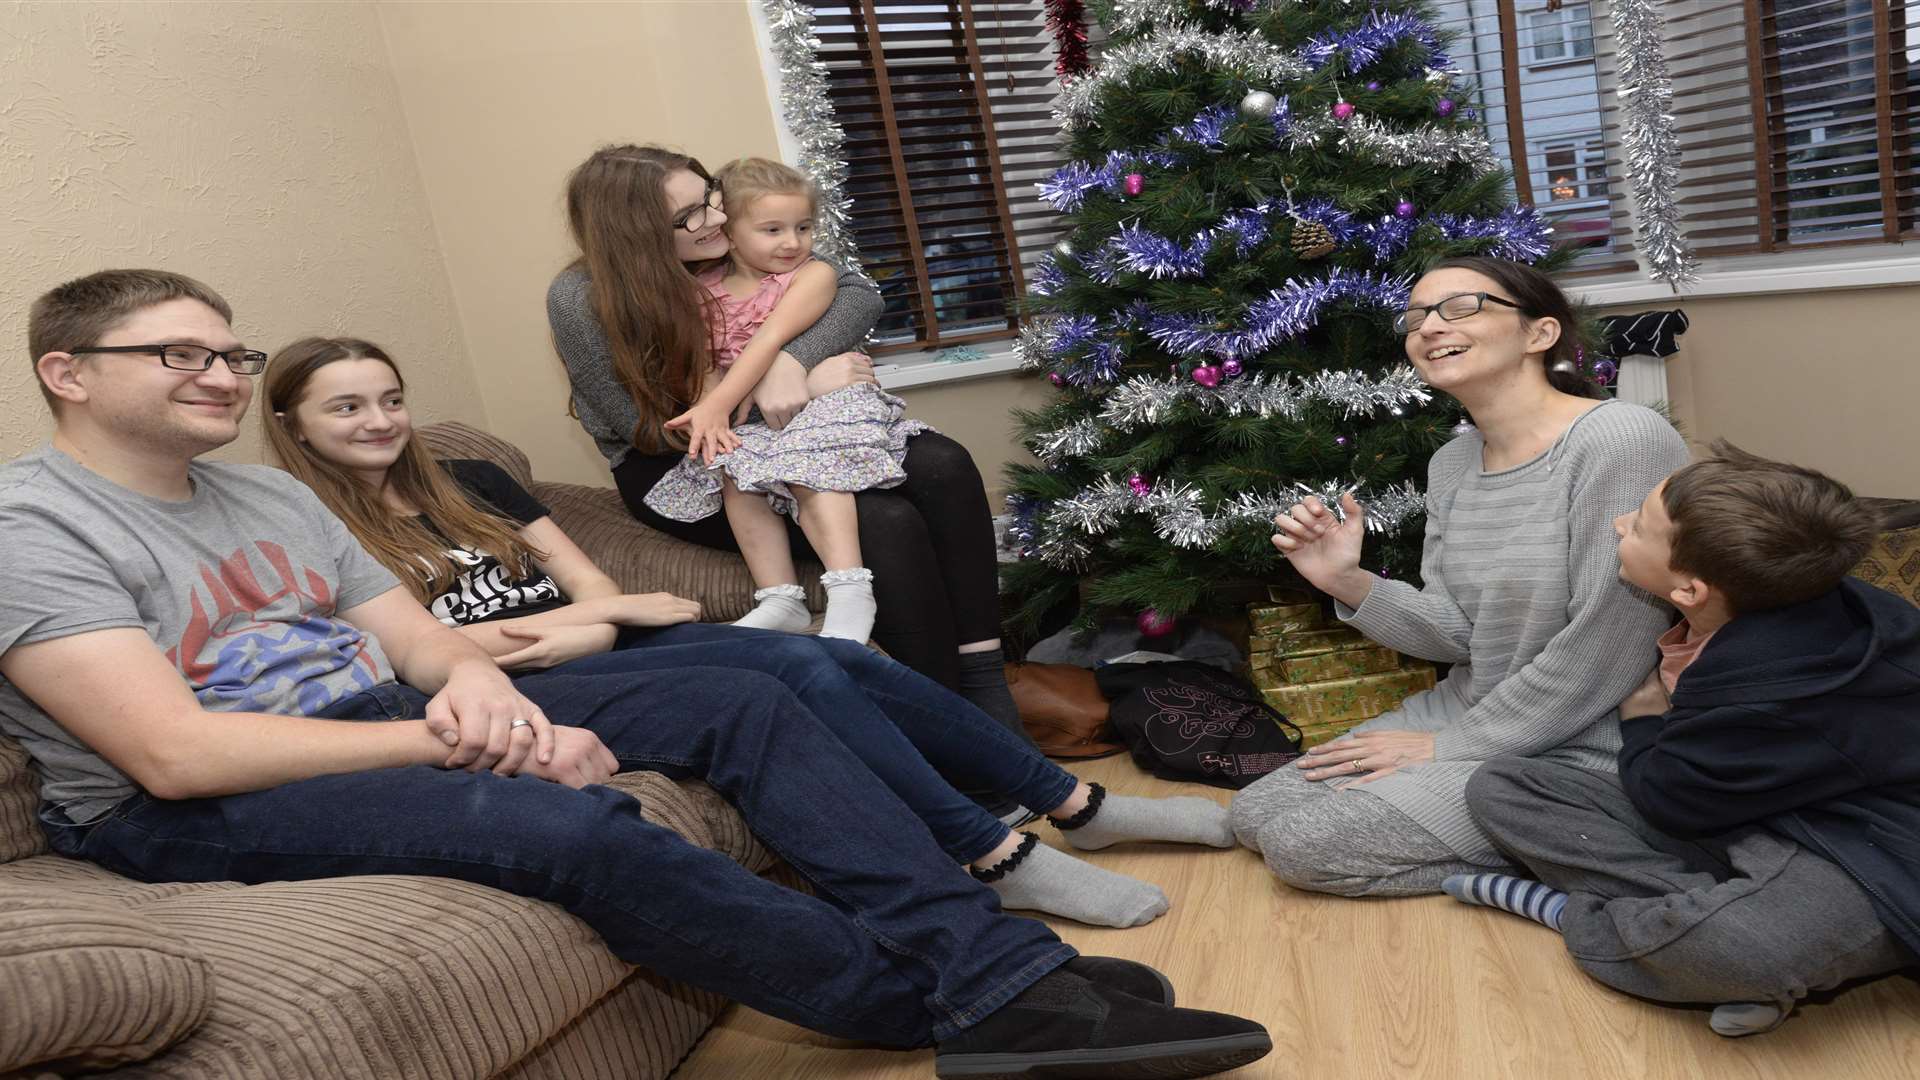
929	543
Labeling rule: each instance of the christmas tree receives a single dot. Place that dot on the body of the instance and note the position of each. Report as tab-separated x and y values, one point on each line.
1253	186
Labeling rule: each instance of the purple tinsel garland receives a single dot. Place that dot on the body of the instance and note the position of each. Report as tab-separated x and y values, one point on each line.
1286	313
1364	44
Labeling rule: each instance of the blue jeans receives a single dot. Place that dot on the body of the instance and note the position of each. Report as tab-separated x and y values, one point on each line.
910	730
900	946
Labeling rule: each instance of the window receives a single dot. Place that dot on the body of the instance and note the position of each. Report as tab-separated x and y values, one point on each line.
1549	124
1796	121
947	112
1559	34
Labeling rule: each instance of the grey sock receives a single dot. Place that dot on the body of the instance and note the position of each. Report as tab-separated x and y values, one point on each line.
779	607
850	607
1183	819
1739	1019
1054	882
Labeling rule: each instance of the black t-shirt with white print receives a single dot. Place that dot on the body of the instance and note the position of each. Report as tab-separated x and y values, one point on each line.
486	589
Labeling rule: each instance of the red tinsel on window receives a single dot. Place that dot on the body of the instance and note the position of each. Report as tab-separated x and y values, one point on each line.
1067	22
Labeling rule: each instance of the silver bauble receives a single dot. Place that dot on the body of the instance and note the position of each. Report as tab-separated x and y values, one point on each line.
1064	248
1258	105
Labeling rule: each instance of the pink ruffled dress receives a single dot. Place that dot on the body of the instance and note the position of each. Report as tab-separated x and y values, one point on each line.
853	439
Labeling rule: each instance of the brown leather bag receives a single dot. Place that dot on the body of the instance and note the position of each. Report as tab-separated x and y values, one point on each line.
1062	709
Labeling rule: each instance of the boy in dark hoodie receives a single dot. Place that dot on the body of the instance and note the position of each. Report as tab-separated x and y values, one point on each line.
1763	836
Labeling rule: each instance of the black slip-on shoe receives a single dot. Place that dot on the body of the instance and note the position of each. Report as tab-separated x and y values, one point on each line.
1065	1027
1126	976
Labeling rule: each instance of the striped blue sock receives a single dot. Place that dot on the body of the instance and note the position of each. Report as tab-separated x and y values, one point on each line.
1527	899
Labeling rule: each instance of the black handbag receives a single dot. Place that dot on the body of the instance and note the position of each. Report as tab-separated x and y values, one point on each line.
1189	721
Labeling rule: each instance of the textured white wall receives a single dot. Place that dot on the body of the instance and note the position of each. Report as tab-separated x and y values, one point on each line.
259	147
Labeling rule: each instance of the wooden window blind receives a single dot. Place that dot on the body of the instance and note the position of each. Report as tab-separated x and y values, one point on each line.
1539	76
946	109
1796	121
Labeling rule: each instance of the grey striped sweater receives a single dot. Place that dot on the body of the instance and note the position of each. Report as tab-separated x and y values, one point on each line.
1523	596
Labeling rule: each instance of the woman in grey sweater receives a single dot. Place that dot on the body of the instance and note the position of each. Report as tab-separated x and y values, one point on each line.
628	323
1522	596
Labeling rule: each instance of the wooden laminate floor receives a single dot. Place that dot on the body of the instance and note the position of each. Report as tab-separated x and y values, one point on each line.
1383	988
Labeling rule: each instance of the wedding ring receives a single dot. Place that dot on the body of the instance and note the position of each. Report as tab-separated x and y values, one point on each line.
520	723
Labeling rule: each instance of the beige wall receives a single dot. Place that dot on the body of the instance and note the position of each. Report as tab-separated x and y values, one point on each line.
978	415
1827	379
503	101
259	147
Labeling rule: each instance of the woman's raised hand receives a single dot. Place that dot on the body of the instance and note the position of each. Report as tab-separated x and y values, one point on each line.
840	372
1325	549
709	432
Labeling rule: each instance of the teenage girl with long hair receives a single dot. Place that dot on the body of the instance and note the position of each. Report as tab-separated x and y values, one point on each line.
483	555
627	319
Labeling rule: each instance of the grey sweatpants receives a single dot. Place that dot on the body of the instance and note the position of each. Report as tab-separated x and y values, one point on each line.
1349	842
1747	916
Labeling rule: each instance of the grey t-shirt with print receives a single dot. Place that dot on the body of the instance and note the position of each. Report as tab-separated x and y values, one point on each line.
239	586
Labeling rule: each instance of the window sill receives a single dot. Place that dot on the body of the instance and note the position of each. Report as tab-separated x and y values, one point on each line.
1759	275
904	370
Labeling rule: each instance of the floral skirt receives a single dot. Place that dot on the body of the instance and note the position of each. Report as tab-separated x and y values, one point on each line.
853	439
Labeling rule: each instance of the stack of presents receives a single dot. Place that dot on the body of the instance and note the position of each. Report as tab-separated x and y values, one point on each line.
1324	678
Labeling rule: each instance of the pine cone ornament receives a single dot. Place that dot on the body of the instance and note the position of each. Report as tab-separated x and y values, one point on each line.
1312	240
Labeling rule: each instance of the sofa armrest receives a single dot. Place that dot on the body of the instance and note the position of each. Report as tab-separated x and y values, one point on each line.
89	983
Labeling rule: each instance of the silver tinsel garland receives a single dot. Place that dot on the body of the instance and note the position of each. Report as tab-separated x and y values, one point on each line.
1147	400
1652	151
1180	515
1432	145
809	115
1247	53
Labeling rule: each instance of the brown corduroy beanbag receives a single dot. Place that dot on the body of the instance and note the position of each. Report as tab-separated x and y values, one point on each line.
89	983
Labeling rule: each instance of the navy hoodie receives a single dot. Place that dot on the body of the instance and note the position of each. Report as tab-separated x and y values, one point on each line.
1805	720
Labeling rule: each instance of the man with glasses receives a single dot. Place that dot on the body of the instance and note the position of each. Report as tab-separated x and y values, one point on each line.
218	684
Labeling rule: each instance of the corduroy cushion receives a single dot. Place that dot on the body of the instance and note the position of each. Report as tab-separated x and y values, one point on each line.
86	983
20	834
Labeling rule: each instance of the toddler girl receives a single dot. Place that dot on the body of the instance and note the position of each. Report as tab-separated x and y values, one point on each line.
763	295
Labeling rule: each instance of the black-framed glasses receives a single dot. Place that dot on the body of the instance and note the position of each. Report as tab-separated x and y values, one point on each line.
1452	308
694	218
189	357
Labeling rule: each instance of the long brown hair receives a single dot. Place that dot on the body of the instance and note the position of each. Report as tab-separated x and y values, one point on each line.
1539	298
401	542
651	309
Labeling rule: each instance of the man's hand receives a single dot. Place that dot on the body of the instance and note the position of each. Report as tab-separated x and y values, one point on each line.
840	372
579	759
1649	699
781	393
551	646
475	713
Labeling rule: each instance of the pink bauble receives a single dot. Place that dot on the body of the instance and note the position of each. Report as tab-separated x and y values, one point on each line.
1135	183
1054	378
1140	485
1208	376
1231	369
1343	110
1153	624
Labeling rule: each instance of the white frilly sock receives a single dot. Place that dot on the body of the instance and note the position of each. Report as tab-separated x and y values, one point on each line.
779	607
850	607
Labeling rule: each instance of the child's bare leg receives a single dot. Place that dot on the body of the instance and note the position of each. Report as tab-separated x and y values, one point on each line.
780	602
832	526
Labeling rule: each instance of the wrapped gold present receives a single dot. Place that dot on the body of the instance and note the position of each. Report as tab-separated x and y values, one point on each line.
1350	700
1339	663
1267	620
1310	642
